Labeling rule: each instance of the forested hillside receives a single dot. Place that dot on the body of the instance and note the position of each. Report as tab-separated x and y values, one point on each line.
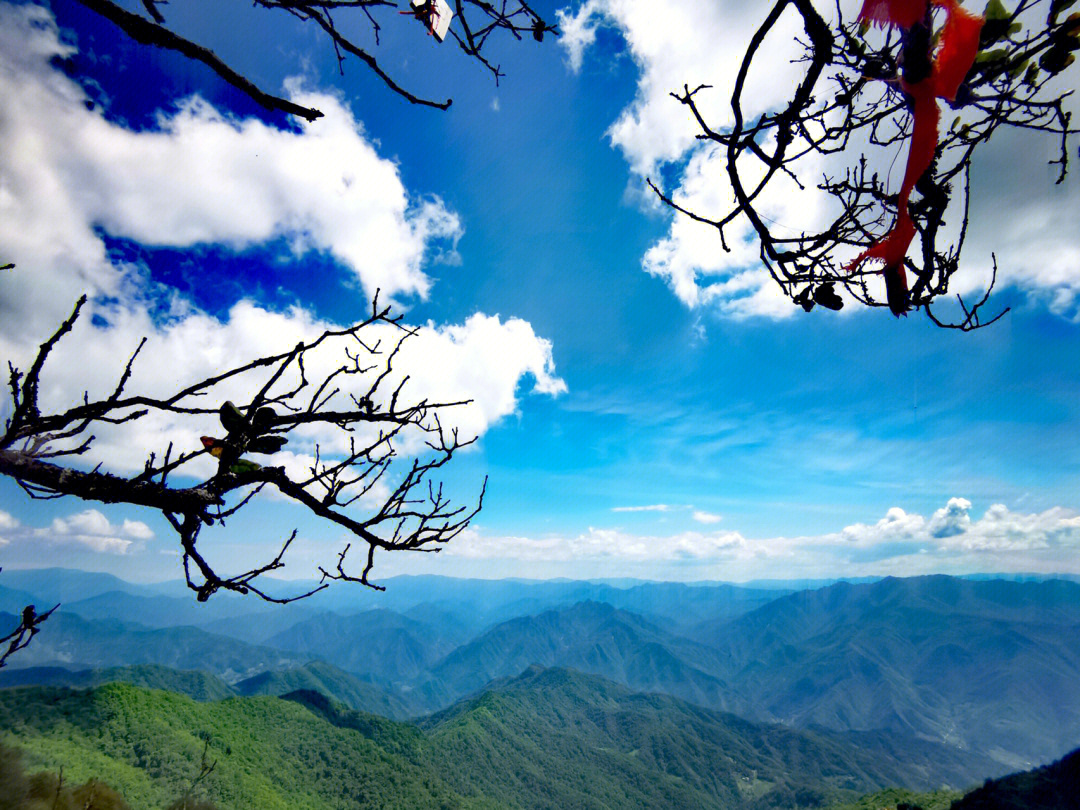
549	738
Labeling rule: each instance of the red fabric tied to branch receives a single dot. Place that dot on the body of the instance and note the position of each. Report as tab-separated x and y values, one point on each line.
953	60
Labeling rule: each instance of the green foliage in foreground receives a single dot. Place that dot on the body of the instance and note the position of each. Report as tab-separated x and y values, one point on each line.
269	753
900	799
546	739
50	791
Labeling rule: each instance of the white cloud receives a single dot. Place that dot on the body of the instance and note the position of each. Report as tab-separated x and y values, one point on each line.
952	529
201	178
689	42
90	530
706	517
656	507
7	520
484	360
896	525
900	543
606	544
1020	215
579	30
952	520
676	43
136	529
692	259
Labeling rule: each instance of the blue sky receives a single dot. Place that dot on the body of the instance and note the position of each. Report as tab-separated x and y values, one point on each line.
682	423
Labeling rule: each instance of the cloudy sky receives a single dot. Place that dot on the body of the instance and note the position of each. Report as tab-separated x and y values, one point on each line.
647	405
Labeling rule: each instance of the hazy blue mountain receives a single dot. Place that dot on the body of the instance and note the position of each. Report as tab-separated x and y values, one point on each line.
13	601
256	627
70	641
590	637
387	646
330	681
54	585
990	665
201	685
477	604
485	602
986	665
195	684
174	611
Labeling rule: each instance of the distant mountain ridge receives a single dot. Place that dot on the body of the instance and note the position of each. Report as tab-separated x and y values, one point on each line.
316	676
990	665
983	665
72	642
591	637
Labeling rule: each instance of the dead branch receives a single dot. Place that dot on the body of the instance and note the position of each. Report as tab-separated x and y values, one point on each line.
851	89
476	20
405	508
29	625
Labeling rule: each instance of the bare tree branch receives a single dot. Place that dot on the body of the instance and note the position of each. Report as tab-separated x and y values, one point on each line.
476	19
29	625
348	489
850	89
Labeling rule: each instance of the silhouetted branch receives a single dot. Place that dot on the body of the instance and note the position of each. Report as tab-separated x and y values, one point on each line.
475	19
28	627
412	514
852	92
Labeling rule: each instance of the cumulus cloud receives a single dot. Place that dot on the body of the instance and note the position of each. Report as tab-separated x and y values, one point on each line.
613	545
691	258
88	530
480	363
706	517
200	177
7	520
676	43
952	520
688	43
951	529
655	507
900	543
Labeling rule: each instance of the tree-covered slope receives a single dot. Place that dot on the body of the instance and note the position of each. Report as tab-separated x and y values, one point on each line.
387	646
545	739
519	725
902	799
269	753
591	637
326	679
195	684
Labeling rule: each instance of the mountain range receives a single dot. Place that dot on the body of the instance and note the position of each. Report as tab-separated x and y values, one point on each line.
984	670
549	738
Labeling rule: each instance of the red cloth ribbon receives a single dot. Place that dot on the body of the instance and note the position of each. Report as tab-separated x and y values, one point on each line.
953	60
